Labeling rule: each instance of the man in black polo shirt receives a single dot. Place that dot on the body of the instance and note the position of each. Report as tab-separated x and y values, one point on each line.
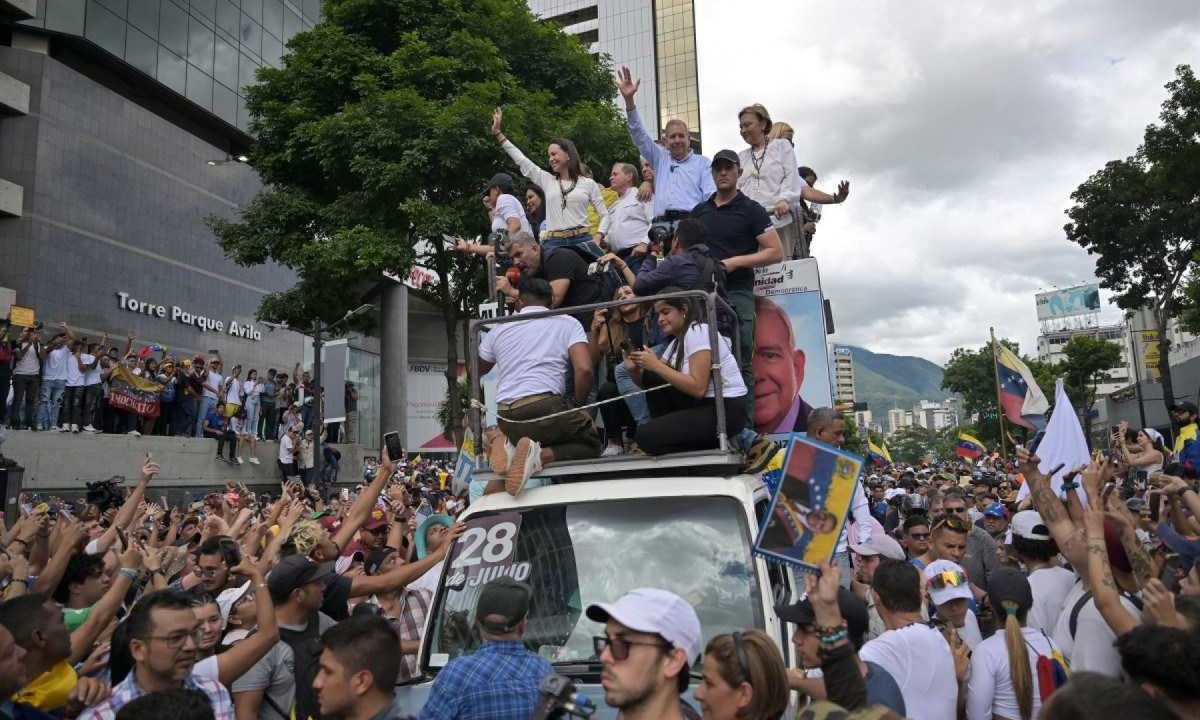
739	234
563	268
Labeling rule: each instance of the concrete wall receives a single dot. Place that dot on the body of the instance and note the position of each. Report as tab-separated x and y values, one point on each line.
64	462
115	201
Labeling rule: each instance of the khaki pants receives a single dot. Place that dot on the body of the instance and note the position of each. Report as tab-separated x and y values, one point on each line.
570	437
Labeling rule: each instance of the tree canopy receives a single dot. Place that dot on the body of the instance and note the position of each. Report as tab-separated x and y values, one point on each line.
1087	359
1140	216
373	136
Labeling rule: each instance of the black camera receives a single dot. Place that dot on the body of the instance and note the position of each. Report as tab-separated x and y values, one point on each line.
504	261
557	699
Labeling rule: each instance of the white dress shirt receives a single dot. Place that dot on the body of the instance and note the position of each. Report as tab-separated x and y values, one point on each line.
627	223
770	176
572	213
531	356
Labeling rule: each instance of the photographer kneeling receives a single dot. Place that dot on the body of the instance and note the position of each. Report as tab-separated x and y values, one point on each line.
684	415
564	268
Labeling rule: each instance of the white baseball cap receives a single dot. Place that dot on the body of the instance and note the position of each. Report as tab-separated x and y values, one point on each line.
951	577
1028	524
653	611
879	544
227	599
892	492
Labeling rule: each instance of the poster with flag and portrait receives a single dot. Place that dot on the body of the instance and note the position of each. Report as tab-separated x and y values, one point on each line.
809	505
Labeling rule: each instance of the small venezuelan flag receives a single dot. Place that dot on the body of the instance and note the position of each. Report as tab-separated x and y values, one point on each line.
969	446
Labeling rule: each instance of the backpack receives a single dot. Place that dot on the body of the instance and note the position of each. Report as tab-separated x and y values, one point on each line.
1052	671
306	650
608	279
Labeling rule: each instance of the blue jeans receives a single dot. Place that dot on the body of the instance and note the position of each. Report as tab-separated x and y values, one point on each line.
625	384
206	404
50	402
584	240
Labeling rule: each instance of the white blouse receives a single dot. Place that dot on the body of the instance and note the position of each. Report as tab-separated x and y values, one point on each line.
771	175
571	213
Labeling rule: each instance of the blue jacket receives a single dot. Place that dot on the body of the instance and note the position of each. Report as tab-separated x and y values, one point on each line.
677	269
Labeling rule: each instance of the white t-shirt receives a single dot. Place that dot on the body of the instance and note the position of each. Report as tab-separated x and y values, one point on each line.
990	688
75	376
287	450
1050	586
251	389
531	356
214	379
507	207
91	377
233	393
919	659
55	367
695	340
970	632
1091	650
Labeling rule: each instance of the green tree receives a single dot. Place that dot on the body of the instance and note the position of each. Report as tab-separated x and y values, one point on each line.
372	140
914	443
972	375
854	442
1140	216
1087	359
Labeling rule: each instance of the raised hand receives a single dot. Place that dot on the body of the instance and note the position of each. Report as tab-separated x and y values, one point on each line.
497	120
843	191
149	470
627	85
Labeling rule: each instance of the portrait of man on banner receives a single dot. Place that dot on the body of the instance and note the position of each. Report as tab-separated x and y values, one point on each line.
810	504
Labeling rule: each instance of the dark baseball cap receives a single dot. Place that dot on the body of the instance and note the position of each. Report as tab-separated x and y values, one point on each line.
1007	585
851	607
375	559
727	156
1187	407
503	604
294	571
502	180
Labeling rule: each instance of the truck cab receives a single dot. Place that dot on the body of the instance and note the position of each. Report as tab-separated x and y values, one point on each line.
684	523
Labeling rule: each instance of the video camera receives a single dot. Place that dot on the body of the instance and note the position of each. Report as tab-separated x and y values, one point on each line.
503	260
557	699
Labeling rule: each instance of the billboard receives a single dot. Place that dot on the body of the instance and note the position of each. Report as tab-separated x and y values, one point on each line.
791	356
1068	302
426	393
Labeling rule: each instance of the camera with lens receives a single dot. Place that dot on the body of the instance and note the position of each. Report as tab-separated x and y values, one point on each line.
557	698
504	261
661	235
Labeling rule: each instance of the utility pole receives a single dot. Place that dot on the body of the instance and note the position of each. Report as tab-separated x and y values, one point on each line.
318	416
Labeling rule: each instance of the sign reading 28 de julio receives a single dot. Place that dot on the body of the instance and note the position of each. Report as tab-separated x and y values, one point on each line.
486	550
177	314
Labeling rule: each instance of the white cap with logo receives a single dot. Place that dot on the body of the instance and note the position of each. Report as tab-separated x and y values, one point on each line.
653	611
879	544
1028	524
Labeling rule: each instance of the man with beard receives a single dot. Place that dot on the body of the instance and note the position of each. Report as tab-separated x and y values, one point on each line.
650	639
778	372
163	631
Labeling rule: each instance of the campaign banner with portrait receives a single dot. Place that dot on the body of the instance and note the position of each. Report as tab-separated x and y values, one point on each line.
792	374
810	504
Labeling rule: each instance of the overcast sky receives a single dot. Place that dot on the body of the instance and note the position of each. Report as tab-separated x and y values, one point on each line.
963	128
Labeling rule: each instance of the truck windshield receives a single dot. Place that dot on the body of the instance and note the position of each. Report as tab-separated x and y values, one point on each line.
575	555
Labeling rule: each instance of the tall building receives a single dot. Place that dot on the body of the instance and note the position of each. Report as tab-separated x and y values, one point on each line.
656	39
1052	346
935	414
898	418
843	375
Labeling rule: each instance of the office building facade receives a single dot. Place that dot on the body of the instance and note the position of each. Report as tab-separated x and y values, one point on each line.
656	39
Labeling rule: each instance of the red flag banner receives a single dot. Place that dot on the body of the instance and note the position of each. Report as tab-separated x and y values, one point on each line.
132	393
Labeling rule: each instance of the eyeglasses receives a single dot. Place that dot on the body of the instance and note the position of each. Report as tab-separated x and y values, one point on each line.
743	661
948	579
919	536
177	640
207	572
953	522
619	646
955	510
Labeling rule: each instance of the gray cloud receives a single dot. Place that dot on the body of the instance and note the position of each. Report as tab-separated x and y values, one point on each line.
963	128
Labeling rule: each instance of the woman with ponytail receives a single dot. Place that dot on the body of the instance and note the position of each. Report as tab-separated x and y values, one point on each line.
1004	682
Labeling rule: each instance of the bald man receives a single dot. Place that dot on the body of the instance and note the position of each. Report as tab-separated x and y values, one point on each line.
778	372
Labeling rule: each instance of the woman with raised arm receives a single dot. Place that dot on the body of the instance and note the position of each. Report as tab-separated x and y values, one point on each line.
771	178
567	192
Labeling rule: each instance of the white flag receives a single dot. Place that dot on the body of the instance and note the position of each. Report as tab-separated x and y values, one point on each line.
1063	444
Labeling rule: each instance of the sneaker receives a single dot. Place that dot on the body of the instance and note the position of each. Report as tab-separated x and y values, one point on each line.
134	433
526	460
74	428
240	461
612	451
759	455
500	454
89	429
63	428
254	460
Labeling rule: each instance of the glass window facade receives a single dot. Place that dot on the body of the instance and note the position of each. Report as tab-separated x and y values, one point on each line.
204	50
675	56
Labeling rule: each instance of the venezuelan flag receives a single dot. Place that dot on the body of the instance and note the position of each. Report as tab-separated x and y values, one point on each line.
969	447
879	453
1023	401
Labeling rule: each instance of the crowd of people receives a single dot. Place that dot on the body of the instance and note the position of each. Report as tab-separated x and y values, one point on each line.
109	600
693	224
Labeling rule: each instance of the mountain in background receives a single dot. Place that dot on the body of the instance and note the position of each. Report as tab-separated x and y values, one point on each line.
887	381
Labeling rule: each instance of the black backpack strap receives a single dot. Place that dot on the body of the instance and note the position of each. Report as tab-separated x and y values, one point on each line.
1083	600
